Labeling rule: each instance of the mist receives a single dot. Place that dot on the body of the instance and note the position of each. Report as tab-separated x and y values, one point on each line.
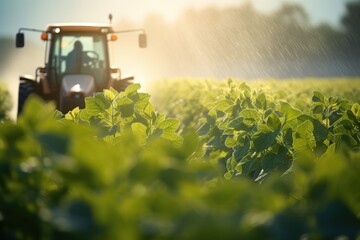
242	42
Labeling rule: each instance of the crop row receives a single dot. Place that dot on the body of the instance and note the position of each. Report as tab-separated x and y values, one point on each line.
120	169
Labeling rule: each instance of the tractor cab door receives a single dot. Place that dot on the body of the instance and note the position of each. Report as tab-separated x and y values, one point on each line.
78	54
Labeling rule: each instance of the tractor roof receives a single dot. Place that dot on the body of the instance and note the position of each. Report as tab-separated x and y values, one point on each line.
79	27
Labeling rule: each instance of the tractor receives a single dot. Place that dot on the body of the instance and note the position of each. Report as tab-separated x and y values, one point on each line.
76	64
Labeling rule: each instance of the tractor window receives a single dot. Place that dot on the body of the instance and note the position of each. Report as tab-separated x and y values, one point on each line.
80	54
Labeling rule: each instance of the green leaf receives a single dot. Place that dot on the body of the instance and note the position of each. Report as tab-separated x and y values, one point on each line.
304	129
55	142
350	115
73	115
190	144
157	119
318	97
260	101
242	151
289	112
204	129
355	108
239	168
230	142
96	104
276	161
273	122
263	128
318	111
91	107
124	101
126	107
36	113
303	137
330	151
139	129
320	132
132	88
343	135
113	130
57	115
239	124
109	95
85	115
263	141
270	161
250	164
172	137
149	110
223	104
101	100
250	113
347	124
156	133
247	102
335	218
231	164
229	175
170	124
244	87
288	138
235	123
142	102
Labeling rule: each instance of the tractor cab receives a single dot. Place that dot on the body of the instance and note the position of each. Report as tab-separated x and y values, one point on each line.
76	64
78	50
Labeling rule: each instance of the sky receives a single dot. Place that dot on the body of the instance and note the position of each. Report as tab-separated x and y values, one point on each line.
37	14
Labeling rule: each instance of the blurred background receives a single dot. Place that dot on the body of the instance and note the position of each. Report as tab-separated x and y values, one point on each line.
204	38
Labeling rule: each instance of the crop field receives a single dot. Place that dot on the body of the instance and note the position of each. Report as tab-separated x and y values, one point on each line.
187	159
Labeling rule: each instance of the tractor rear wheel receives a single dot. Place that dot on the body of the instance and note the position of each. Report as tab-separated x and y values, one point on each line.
25	90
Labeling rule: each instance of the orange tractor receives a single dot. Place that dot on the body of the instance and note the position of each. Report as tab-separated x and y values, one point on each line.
76	64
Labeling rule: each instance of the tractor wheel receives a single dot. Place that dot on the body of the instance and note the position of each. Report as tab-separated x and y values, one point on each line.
25	90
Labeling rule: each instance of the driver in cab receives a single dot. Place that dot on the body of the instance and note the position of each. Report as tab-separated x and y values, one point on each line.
76	58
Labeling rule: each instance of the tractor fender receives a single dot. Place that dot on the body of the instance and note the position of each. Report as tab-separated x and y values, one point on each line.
27	78
27	86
